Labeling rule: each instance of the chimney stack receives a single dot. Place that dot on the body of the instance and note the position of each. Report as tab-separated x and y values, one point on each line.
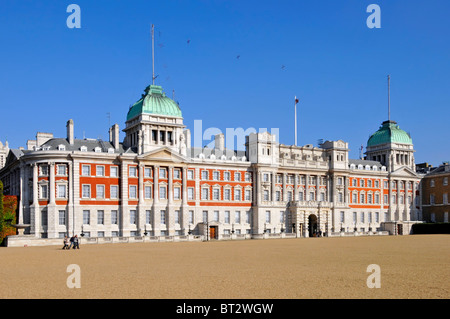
114	136
70	137
219	141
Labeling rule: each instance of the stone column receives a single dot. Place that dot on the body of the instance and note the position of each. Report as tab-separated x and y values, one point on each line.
284	198
52	189
34	211
258	188
184	203
21	192
141	204
155	208
274	181
307	187
295	194
170	211
70	202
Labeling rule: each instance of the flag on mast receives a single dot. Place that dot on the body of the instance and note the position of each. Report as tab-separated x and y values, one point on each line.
295	117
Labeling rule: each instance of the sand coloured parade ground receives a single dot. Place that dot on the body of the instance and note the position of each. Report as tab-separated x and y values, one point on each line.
415	266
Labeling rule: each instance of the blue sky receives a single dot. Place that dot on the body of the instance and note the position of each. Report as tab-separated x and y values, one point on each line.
332	61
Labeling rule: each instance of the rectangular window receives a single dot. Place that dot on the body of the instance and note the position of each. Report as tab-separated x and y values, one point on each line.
176	174
114	191
377	198
62	170
132	217
226	176
100	170
385	198
114	217
101	234
237	194
282	217
190	174
300	196
215	175
132	171
386	216
355	217
362	217
86	191
133	192
322	197
369	219
386	184
162	173
205	193
205	216
237	217
147	172
266	195
289	195
216	194
100	217
369	198
445	181
148	192
248	217
216	216
227	194
237	177
248	194
62	191
342	217
86	170
163	217
227	217
191	217
445	198
311	196
248	177
86	217
177	216
431	199
114	171
341	198
148	216
377	217
62	217
204	175
100	191
377	184
177	193
190	193
44	191
162	192
44	170
361	198
268	216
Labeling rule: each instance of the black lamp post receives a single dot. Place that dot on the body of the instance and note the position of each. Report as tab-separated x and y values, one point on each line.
82	231
145	230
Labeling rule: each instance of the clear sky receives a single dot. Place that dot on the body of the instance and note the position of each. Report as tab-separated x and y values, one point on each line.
232	64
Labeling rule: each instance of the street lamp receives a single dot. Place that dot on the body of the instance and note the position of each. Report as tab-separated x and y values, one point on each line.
82	232
145	232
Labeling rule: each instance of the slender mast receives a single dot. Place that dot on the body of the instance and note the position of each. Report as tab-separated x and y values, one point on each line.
153	54
389	98
295	119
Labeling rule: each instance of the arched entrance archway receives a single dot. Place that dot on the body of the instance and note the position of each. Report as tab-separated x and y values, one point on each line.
312	225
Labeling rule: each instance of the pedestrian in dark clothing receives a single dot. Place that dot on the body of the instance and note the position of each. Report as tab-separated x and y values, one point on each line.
76	243
66	243
71	242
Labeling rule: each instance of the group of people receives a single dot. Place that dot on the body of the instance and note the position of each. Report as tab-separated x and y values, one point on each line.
74	242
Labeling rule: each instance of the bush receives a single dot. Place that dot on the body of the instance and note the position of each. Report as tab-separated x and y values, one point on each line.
8	207
431	228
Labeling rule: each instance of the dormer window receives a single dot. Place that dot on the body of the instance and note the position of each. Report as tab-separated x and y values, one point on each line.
61	148
110	151
83	148
98	150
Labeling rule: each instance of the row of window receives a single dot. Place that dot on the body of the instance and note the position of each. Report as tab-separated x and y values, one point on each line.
301	179
371	217
371	199
444	182
301	196
444	199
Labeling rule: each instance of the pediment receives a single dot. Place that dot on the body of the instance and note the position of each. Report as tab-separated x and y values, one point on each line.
164	154
404	172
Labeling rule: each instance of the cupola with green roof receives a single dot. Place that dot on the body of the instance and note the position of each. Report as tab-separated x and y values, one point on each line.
389	132
154	101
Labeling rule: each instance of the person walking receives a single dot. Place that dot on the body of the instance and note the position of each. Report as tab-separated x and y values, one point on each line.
71	242
76	243
66	243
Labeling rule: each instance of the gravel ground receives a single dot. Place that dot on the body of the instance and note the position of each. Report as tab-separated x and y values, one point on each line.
410	267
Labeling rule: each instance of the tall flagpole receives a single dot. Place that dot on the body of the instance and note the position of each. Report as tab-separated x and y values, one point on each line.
389	98
295	117
153	54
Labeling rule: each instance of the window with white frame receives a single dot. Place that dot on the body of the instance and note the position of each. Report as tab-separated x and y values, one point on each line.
377	198
114	192
237	217
445	181
114	217
190	192
266	195
322	197
340	197
354	217
177	216
377	184
132	171
369	183
100	170
100	217
301	196
226	176
177	193
86	217
362	198
176	173
361	183
86	170
277	196
148	192
227	194
369	217
265	177
191	217
312	196
205	216
216	175
282	217
237	177
147	172
248	216
114	171
100	191
377	217
133	217
227	217
385	199
362	217
44	192
342	217
237	194
62	191
162	192
205	194
216	194
190	174
248	194
163	217
386	216
61	170
216	216
267	216
86	191
204	175
148	214
248	177
62	217
133	192
369	198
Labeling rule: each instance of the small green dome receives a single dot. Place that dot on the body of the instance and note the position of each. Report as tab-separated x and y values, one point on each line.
389	132
154	101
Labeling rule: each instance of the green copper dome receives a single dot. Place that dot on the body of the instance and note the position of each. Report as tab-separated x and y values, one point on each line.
389	132
154	101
